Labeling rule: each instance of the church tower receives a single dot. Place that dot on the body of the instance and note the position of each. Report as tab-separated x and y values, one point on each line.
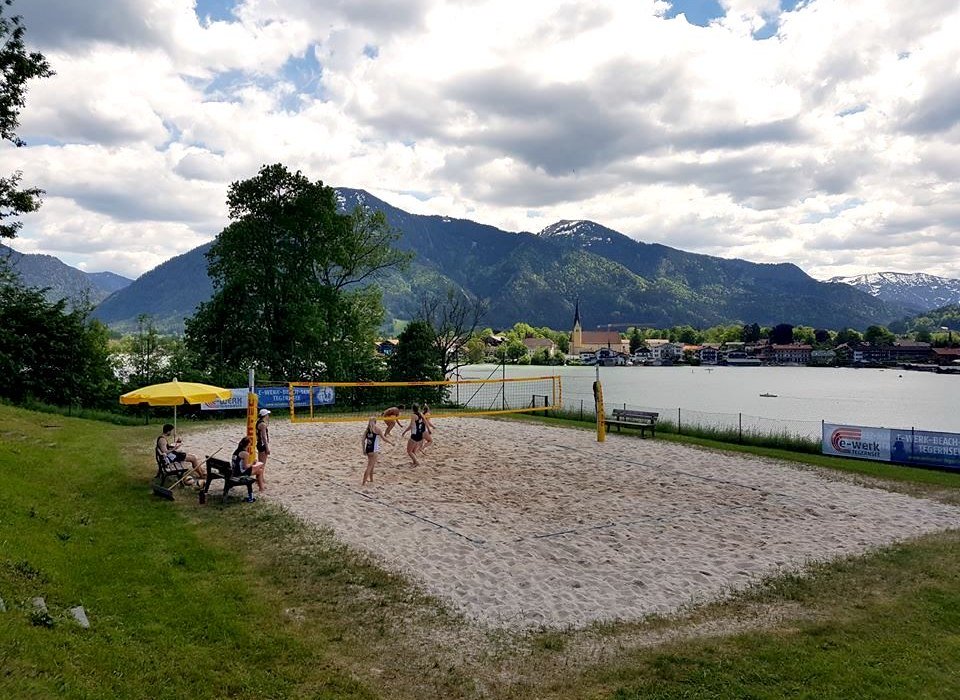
576	338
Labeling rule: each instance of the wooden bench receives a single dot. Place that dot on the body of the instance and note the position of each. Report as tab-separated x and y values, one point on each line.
166	468
642	420
220	469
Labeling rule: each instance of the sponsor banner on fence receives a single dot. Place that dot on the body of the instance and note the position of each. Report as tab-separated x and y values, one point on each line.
856	441
924	447
910	447
273	397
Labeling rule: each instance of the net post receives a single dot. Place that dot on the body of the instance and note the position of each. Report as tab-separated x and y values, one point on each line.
252	418
598	401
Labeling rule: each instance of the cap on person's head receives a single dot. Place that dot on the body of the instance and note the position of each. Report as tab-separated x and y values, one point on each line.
264	412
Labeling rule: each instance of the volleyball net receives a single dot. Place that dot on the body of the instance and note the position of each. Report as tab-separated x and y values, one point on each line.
334	402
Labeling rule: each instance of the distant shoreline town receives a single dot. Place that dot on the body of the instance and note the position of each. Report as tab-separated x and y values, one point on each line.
781	345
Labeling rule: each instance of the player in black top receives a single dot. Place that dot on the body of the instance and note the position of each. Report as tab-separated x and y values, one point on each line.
371	447
416	427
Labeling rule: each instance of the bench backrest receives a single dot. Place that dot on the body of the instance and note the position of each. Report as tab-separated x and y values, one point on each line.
221	466
629	413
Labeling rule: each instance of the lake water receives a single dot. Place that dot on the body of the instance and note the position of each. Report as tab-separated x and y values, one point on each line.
889	398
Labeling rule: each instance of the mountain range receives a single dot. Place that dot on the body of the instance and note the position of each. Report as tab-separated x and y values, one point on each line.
917	292
61	281
538	277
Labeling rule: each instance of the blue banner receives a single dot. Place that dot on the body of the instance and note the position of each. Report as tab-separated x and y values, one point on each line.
274	397
919	448
925	448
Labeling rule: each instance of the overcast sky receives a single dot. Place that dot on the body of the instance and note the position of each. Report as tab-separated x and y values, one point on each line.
822	132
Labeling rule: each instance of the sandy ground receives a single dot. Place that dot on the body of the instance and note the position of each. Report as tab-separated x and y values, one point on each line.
521	525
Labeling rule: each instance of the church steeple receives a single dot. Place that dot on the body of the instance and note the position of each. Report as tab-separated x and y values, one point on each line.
576	337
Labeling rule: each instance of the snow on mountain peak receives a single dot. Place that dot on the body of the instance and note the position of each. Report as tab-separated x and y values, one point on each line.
918	290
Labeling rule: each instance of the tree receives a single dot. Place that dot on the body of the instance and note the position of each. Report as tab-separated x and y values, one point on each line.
147	356
751	333
454	317
18	66
476	349
804	335
288	274
782	334
636	340
516	351
49	353
848	335
416	359
878	335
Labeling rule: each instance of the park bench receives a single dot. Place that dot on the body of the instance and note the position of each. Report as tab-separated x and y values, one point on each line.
166	468
220	469
627	418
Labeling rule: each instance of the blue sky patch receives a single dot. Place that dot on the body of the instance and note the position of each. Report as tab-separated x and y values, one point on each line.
698	12
832	212
215	10
852	110
305	73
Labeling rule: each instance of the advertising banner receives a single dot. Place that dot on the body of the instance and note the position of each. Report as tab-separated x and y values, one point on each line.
856	441
921	448
273	397
925	448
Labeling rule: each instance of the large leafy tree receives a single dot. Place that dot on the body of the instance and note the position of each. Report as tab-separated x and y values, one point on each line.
289	276
17	66
417	359
51	353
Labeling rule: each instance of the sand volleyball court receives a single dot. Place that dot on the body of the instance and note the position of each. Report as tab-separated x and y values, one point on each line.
520	525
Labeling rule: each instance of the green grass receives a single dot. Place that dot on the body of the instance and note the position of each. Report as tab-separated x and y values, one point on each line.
244	601
174	613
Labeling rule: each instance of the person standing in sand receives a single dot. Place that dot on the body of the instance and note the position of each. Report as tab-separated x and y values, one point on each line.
371	447
416	427
390	417
428	435
263	442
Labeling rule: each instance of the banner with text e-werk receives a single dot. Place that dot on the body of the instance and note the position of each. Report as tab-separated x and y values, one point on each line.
903	446
273	397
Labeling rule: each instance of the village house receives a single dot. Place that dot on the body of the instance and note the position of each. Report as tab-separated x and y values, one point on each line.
387	347
823	358
663	350
912	351
536	344
710	355
792	354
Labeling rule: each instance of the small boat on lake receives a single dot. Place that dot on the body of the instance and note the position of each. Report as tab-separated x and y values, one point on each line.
769	396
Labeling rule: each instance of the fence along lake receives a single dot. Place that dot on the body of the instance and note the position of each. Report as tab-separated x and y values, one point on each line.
804	396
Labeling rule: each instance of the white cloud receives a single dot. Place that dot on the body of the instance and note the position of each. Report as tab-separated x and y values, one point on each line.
832	144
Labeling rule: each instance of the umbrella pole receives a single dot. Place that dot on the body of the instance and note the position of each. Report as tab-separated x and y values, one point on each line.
174	422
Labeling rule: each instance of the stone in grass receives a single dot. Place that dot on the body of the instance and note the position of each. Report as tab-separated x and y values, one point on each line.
39	604
80	615
3	606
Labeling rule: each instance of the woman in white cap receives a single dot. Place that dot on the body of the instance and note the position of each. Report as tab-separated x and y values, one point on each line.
263	439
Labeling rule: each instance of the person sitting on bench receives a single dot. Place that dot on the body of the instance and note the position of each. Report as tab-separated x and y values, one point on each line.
240	465
173	453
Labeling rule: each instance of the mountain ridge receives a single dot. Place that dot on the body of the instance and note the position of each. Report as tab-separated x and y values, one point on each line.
916	291
62	281
536	278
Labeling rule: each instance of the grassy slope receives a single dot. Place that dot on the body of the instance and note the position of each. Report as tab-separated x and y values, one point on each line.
244	602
